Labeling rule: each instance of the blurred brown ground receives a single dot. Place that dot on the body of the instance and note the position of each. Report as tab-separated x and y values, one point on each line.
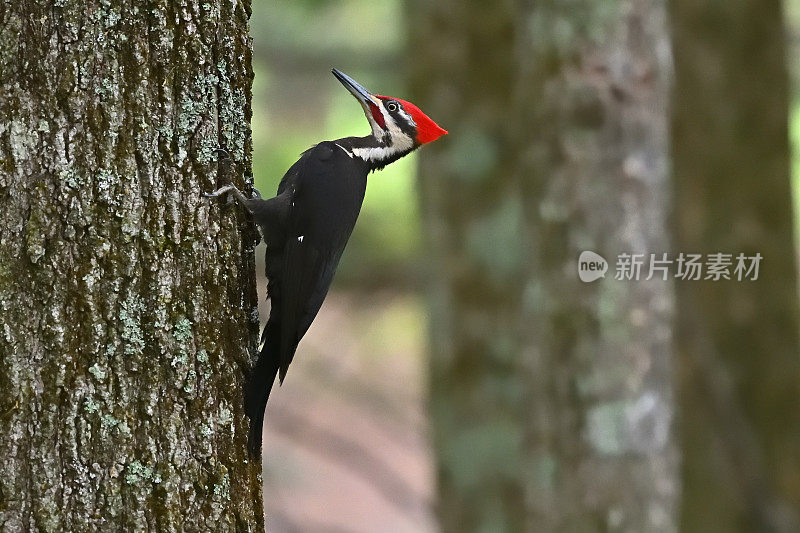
345	438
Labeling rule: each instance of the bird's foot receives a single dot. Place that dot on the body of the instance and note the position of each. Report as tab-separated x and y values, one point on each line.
222	190
224	155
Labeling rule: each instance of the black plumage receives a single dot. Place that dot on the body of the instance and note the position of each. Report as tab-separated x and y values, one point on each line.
307	225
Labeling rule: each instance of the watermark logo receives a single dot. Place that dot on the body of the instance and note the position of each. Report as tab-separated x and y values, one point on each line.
683	266
591	266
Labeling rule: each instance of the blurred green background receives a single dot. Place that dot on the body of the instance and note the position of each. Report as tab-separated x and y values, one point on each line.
297	103
792	9
364	363
347	443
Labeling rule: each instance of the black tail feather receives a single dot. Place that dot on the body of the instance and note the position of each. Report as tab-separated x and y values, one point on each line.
260	384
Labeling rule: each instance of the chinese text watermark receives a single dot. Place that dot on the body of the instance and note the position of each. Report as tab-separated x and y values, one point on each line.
690	267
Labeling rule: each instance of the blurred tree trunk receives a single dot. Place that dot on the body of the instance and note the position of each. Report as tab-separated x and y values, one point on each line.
128	301
739	364
551	398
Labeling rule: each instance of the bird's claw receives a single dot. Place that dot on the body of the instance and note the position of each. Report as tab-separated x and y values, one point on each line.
223	153
218	192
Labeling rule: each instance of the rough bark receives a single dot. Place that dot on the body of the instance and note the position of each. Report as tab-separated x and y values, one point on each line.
128	301
738	348
551	399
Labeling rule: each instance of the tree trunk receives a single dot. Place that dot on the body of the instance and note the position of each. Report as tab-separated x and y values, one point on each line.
551	398
128	301
739	363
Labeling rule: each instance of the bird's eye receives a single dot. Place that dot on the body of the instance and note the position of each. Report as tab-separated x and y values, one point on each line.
391	107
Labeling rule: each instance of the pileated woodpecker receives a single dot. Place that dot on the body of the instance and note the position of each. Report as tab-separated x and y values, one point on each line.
307	225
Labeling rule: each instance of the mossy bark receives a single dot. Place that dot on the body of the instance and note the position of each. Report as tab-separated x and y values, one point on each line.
738	351
127	301
551	398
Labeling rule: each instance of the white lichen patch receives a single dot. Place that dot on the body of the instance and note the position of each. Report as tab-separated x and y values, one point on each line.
98	372
130	317
137	473
23	139
91	405
225	415
182	331
641	425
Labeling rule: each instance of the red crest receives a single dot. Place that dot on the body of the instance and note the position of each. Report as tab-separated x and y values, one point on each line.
427	129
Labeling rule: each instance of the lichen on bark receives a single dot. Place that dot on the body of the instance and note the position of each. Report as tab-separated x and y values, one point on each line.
126	300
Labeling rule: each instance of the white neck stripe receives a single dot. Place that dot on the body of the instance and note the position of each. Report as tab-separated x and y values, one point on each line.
401	144
348	152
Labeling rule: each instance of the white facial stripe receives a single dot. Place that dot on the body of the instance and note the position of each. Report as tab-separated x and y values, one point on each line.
394	130
407	116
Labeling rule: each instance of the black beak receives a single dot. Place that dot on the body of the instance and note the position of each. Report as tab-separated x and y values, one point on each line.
355	88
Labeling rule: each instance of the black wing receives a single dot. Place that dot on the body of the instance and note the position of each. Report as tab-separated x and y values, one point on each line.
327	188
